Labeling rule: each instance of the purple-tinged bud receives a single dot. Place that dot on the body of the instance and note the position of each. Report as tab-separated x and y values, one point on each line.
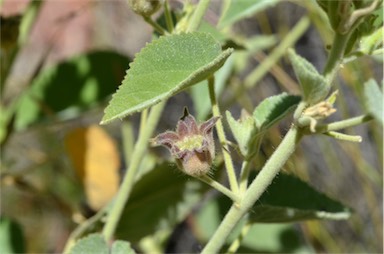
192	145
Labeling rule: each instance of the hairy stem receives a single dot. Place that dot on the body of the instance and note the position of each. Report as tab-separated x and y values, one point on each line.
258	186
127	184
335	56
246	166
236	244
128	140
219	187
223	141
345	137
343	124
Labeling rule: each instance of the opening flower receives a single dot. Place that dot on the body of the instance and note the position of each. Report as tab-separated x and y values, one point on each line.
320	111
191	144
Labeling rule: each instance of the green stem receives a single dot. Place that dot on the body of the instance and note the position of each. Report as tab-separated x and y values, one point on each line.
254	77
343	124
128	140
336	55
156	26
246	166
143	119
258	186
245	170
127	184
223	141
352	21
83	227
198	15
342	136
219	187
236	244
168	17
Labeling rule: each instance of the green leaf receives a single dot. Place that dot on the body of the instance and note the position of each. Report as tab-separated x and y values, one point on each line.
122	247
273	109
261	238
313	85
289	199
93	243
11	236
374	99
159	200
240	9
371	42
163	68
243	131
246	130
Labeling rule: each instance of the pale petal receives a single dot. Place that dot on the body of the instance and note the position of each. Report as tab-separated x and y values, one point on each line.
182	128
187	126
167	139
207	126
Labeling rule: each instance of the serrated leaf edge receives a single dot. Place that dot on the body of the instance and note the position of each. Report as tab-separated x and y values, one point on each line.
219	60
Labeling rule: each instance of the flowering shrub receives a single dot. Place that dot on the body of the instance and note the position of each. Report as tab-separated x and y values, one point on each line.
214	150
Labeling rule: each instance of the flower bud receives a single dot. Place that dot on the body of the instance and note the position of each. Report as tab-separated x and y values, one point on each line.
191	144
144	7
317	112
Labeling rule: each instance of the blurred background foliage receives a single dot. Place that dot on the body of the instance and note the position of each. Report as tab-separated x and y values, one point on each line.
59	167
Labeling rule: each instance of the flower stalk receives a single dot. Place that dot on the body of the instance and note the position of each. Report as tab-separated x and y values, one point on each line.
221	135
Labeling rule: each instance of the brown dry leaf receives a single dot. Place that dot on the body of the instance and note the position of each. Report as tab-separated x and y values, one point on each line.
96	160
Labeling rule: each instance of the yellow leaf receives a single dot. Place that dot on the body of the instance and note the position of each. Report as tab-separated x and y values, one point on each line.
96	160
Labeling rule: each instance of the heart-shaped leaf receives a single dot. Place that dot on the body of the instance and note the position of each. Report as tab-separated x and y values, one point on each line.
163	68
